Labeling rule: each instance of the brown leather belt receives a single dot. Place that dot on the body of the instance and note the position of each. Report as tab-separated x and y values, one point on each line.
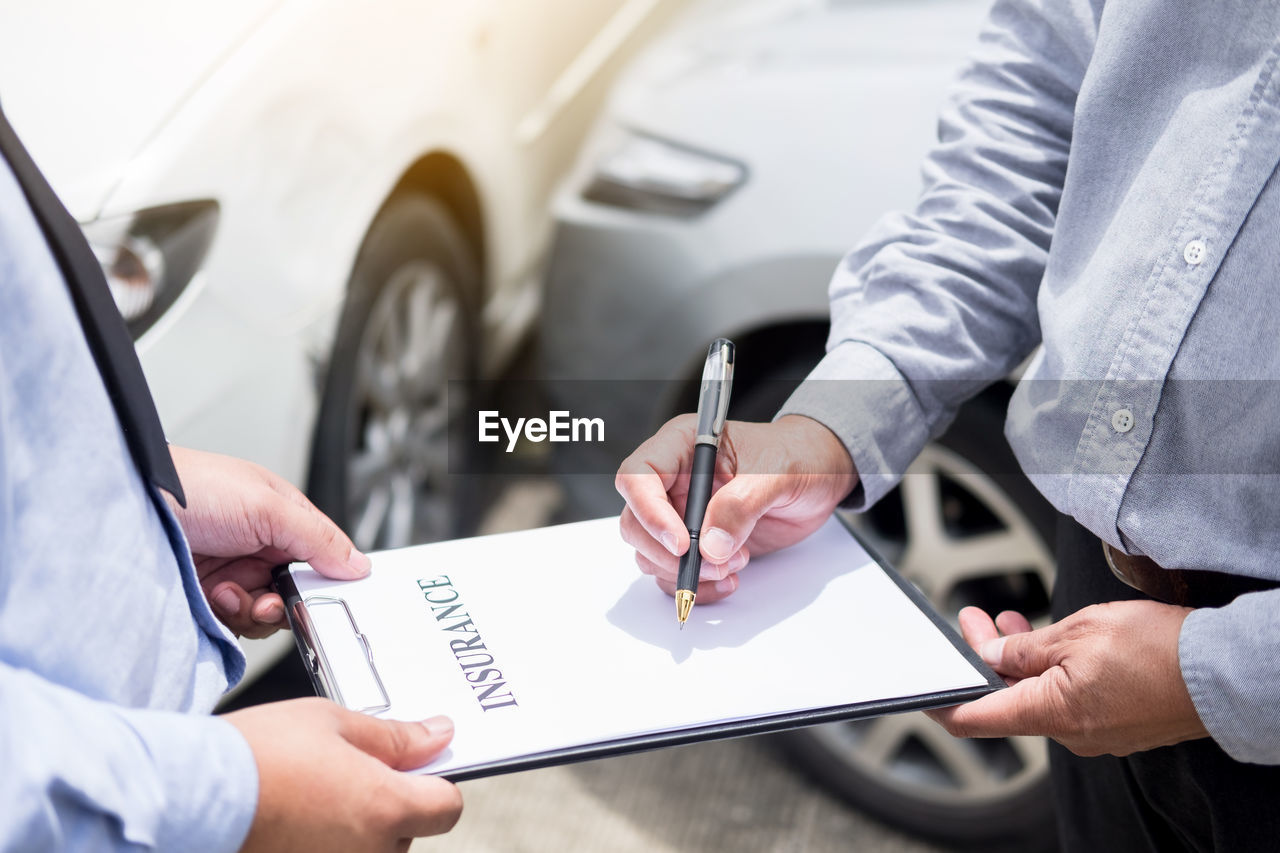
1184	587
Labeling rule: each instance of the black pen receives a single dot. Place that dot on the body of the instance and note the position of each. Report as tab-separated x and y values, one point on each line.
713	407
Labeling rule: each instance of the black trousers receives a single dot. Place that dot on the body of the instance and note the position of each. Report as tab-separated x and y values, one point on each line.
1190	796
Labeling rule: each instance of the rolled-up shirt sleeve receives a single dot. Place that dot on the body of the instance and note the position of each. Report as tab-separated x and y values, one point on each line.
86	775
1230	658
937	303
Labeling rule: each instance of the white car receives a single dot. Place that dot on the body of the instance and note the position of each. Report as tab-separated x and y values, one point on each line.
739	158
316	214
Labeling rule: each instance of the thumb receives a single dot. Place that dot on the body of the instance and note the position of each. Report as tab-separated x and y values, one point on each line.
399	745
303	532
1021	655
733	511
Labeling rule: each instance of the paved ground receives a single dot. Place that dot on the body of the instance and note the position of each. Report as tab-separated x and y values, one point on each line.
724	797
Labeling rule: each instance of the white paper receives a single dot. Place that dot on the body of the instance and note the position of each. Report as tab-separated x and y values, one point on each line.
586	649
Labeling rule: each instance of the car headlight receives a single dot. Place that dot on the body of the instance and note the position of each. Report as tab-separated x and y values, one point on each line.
656	176
150	256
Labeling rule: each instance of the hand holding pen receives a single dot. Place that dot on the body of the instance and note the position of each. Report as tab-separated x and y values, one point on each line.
777	483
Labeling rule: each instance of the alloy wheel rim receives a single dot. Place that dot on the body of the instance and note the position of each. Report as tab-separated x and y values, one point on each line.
909	753
397	484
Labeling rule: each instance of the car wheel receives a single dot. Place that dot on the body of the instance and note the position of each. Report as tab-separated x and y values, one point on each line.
967	529
381	455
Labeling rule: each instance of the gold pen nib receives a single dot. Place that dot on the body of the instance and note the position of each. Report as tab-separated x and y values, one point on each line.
684	605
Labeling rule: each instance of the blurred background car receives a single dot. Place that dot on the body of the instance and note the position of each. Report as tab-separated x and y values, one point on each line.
737	161
313	215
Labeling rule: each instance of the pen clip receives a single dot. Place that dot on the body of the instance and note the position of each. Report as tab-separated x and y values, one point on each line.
713	395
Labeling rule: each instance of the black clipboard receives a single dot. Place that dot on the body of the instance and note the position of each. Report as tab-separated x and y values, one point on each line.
322	678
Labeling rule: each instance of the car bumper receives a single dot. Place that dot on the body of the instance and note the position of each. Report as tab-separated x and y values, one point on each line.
632	302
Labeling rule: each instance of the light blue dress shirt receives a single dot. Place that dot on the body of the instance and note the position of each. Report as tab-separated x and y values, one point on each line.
1103	185
110	658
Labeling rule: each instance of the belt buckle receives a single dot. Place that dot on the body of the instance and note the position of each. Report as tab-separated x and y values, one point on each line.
1148	578
1121	575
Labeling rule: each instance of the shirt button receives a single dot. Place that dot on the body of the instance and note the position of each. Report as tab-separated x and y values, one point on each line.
1122	420
1194	252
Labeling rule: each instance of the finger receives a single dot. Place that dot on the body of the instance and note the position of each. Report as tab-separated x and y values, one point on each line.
978	629
231	604
245	572
1019	710
1022	655
709	592
267	608
235	608
720	571
649	567
670	571
308	535
733	512
431	806
635	535
1012	622
647	475
977	626
399	745
647	500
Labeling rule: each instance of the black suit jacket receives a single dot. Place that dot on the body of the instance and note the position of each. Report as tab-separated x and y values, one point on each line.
104	328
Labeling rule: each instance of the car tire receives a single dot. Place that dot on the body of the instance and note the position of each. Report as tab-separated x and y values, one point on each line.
387	434
904	769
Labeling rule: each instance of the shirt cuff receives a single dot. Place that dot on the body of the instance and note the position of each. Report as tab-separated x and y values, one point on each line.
1230	659
858	394
210	780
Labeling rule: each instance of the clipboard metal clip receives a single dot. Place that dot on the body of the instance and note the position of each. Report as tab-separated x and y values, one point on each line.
318	664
